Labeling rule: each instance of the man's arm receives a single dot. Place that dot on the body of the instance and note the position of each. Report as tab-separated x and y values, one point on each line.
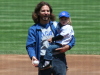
30	43
68	46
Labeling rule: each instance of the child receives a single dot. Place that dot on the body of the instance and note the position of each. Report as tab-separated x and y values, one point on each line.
65	31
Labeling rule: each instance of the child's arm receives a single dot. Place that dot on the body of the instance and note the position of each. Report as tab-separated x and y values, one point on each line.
72	42
59	37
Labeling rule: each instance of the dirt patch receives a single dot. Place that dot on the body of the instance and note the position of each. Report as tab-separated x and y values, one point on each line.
21	65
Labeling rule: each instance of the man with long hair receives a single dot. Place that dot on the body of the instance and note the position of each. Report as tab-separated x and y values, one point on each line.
38	34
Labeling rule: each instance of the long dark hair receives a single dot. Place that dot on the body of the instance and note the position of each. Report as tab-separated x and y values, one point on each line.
35	15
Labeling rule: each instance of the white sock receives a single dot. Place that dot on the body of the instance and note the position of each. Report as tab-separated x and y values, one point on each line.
46	63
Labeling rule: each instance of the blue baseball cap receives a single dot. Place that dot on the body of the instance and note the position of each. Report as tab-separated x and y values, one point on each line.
64	14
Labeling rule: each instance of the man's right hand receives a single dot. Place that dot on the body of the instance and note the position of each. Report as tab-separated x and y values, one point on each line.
34	59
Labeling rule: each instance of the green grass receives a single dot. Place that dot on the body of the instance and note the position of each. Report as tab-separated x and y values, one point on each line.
15	19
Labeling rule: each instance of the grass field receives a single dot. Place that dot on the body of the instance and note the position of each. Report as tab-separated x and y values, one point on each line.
15	19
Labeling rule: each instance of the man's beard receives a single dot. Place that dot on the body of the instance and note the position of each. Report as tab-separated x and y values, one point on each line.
45	18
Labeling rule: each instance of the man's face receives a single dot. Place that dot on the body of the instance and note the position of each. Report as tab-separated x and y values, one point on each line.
44	13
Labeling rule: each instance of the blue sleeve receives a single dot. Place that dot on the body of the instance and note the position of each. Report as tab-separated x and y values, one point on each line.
30	43
72	42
